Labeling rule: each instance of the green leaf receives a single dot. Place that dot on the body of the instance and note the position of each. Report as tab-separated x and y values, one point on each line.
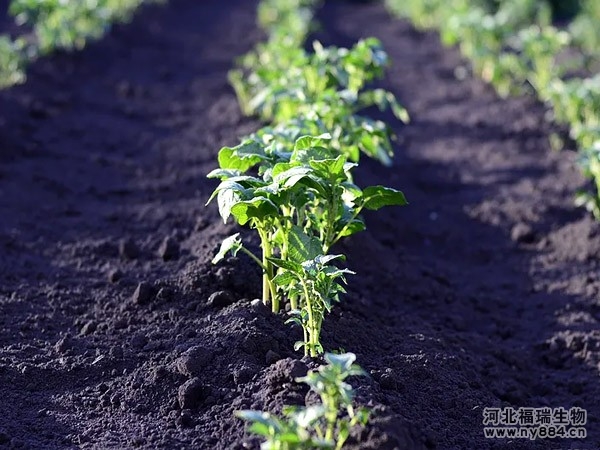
226	198
295	320
302	247
289	437
281	167
306	142
291	176
298	344
344	360
376	144
256	208
399	111
313	153
227	185
287	265
376	197
261	429
231	244
241	157
305	417
326	259
333	272
357	225
331	169
224	174
284	278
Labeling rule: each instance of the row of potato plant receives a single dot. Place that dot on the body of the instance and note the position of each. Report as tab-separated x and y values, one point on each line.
515	47
56	24
292	180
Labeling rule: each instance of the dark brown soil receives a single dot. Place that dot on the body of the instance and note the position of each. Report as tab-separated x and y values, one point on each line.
483	292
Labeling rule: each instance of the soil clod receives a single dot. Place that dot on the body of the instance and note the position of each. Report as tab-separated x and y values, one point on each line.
169	249
191	394
128	249
144	293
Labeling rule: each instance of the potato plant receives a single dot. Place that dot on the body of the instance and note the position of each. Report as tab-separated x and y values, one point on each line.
325	425
319	284
12	61
291	181
577	102
326	88
287	20
300	203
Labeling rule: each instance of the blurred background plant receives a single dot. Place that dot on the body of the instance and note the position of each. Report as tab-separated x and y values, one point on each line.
49	25
549	48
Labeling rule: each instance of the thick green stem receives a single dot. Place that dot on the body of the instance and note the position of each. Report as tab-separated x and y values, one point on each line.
293	302
254	258
313	332
266	288
305	341
269	292
331	417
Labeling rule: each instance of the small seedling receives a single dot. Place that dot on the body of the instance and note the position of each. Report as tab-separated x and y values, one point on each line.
326	425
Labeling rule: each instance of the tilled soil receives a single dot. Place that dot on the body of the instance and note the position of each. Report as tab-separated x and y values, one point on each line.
118	332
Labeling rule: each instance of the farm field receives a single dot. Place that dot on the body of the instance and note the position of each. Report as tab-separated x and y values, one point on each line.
117	331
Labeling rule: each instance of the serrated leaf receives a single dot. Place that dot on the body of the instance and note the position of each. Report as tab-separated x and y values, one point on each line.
376	197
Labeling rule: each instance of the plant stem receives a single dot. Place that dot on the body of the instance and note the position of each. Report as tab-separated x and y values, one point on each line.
331	417
269	292
253	257
313	335
293	302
